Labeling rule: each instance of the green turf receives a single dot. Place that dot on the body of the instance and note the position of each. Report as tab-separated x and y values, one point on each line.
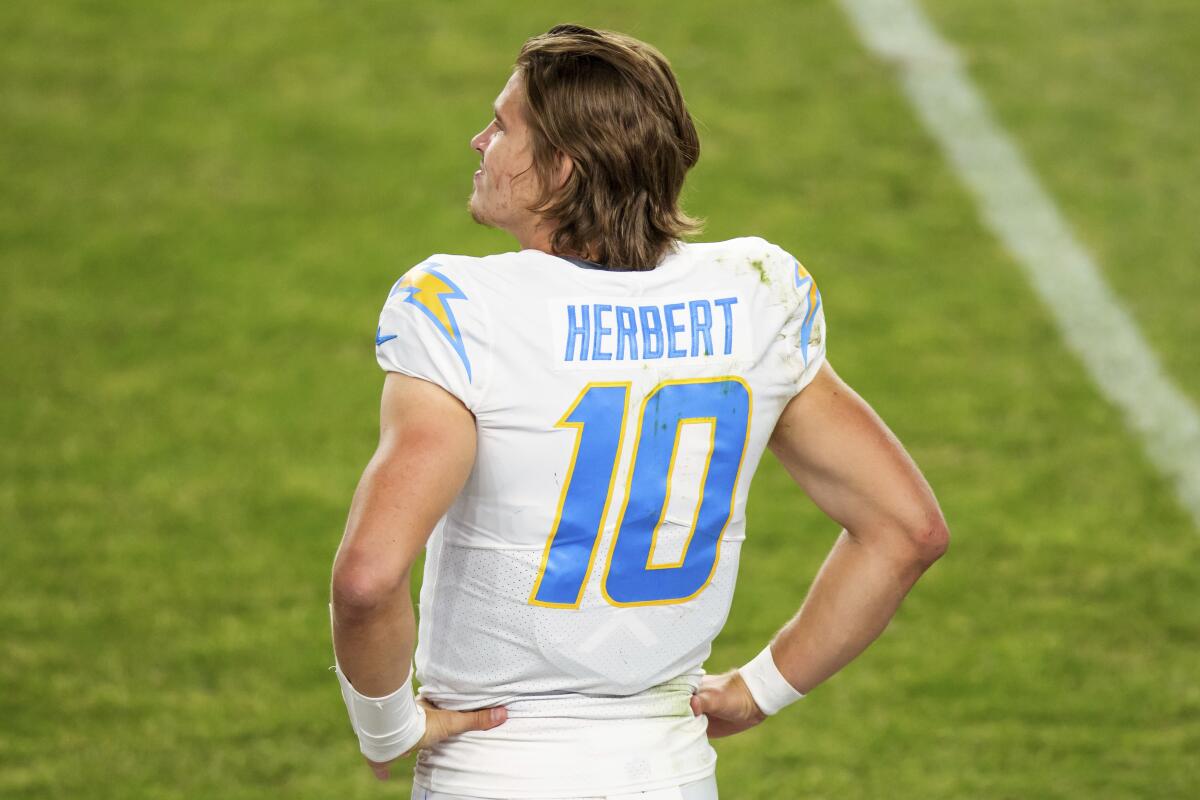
202	208
1103	97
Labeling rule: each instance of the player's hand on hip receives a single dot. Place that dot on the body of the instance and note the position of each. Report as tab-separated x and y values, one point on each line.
726	701
441	725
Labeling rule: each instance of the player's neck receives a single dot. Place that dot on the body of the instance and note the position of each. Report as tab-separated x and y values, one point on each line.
538	237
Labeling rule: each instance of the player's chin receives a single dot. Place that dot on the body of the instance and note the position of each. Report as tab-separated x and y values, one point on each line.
477	213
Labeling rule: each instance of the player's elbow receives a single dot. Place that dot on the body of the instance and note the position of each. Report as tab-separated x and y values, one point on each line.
927	537
911	538
361	588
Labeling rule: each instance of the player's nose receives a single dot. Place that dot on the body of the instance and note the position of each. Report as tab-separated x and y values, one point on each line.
479	141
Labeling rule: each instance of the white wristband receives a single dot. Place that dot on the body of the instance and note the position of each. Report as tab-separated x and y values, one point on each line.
768	687
387	727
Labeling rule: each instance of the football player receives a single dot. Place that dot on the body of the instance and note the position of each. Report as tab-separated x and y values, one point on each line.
570	431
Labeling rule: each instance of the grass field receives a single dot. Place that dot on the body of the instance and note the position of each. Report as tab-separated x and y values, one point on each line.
202	207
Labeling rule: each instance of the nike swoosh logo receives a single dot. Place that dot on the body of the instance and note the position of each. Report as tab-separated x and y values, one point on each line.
380	339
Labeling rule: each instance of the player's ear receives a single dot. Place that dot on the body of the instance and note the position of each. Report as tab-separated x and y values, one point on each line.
566	165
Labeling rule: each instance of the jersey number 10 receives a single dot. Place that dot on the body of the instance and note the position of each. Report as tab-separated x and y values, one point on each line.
631	575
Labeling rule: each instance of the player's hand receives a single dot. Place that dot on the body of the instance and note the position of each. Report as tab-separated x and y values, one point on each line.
441	725
727	702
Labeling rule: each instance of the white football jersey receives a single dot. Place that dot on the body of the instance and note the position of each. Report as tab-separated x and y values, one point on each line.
582	573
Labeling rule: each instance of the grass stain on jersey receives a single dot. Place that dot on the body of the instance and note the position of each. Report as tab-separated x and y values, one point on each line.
758	266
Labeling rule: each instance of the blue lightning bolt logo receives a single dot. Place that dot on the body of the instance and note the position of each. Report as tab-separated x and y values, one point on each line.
431	291
803	280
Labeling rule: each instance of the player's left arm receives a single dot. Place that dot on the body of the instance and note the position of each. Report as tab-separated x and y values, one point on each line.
853	467
847	460
425	454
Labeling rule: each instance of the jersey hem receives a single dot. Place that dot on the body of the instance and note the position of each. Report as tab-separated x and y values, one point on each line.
426	778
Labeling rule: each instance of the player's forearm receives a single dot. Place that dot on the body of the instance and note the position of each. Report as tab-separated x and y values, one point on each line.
373	621
854	596
374	644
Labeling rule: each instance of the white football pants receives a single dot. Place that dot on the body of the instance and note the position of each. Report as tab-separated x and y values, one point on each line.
705	789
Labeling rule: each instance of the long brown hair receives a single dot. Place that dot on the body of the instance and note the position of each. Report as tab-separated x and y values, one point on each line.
610	103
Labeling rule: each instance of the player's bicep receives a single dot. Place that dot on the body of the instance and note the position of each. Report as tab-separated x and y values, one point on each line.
425	454
848	461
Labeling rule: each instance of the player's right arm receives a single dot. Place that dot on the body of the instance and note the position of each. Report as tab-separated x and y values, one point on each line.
425	454
843	455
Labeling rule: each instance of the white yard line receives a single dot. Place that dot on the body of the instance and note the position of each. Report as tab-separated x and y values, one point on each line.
1014	205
